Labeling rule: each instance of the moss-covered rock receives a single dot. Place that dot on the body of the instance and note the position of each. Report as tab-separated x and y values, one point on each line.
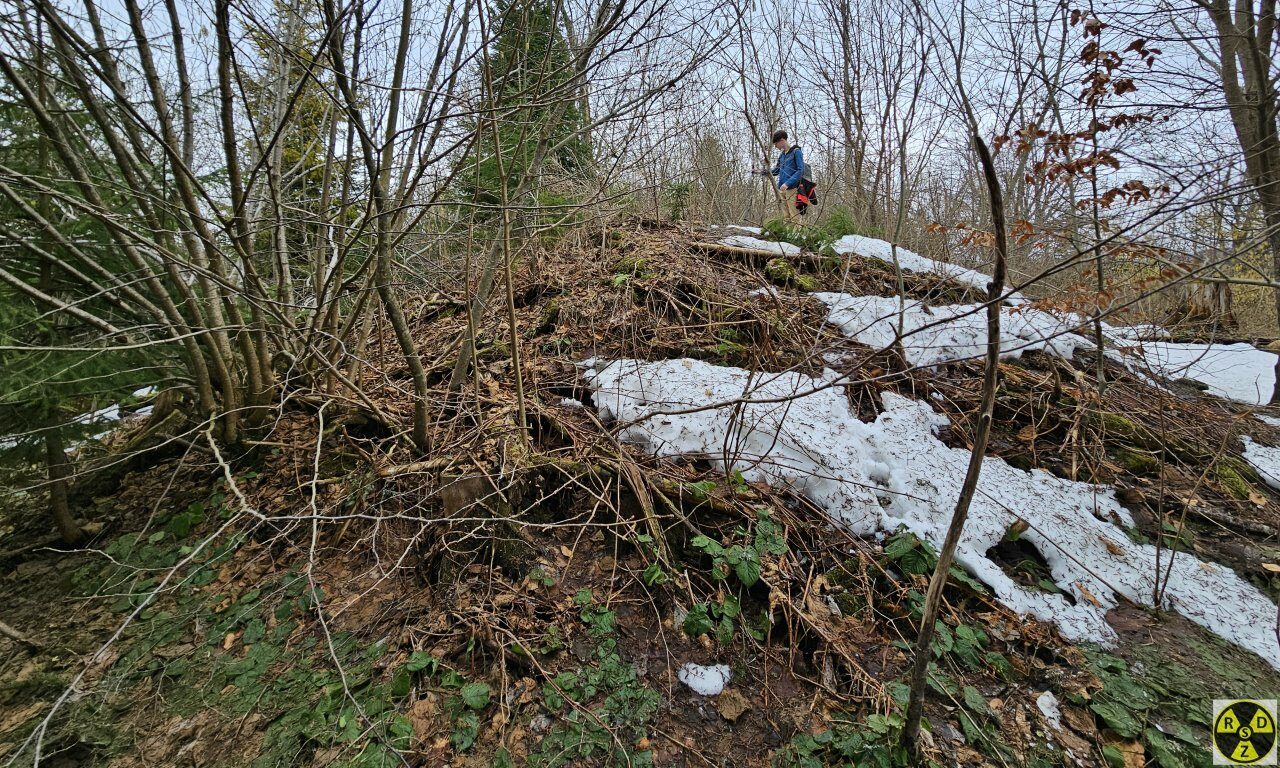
1136	461
1232	480
549	317
783	272
1120	430
630	264
498	350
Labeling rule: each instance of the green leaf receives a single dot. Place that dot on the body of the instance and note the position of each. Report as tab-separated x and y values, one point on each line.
420	660
1113	756
464	734
976	701
878	724
654	575
748	569
724	631
475	695
899	544
701	489
962	576
697	621
1117	718
707	545
401	682
769	539
253	632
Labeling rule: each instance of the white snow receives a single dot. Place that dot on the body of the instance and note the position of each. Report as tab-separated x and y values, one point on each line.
812	445
951	332
1236	371
1265	459
144	392
707	681
110	413
738	227
1268	420
569	402
1048	705
798	431
1137	332
755	243
870	247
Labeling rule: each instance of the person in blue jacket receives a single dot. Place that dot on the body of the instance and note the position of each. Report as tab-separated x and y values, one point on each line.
793	177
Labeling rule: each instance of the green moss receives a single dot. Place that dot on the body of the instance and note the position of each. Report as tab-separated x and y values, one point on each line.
1232	481
499	350
1137	462
549	317
1117	429
783	272
1117	426
630	264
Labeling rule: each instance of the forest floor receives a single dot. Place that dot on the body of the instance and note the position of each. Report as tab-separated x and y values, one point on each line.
322	596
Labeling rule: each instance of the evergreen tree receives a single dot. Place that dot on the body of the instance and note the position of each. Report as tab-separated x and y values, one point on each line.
531	71
63	371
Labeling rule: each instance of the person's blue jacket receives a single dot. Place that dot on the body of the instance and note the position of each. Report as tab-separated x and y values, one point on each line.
790	168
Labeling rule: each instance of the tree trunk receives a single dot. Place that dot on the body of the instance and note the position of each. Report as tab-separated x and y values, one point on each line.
59	470
981	432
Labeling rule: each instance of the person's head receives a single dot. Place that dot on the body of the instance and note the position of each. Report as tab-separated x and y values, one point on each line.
780	140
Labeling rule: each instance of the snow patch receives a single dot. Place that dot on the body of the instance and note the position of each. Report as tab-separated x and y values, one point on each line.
1268	420
707	681
1048	705
932	336
953	332
738	227
870	247
1265	459
110	413
755	243
811	445
798	431
1236	371
1139	332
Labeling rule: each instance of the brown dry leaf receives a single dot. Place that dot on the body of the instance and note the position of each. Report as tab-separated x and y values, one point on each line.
228	641
528	690
19	716
1132	753
424	716
1027	434
1258	499
1089	596
1271	567
1111	546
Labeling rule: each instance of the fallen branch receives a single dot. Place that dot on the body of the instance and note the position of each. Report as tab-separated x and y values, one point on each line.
18	637
755	253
